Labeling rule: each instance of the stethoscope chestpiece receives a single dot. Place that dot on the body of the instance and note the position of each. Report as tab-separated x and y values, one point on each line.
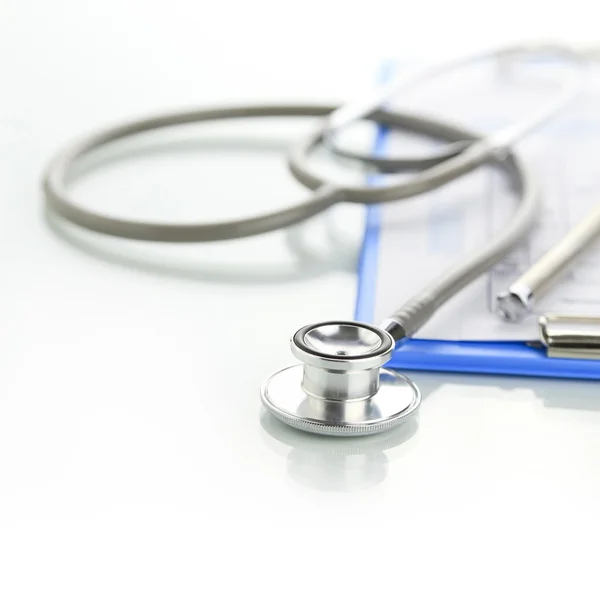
340	388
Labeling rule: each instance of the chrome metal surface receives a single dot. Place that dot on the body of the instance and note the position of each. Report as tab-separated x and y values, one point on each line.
342	346
343	339
340	389
396	400
568	336
341	359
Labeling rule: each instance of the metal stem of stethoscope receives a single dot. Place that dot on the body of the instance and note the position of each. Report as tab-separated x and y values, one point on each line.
341	389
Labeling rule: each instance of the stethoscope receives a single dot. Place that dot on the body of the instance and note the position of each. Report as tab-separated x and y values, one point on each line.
340	387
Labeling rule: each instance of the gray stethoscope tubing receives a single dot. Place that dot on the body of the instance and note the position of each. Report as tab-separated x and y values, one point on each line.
60	170
396	164
409	318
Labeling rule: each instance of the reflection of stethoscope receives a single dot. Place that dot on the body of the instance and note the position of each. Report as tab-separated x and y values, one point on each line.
340	389
333	464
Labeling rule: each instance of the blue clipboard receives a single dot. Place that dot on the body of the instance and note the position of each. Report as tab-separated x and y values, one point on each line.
500	358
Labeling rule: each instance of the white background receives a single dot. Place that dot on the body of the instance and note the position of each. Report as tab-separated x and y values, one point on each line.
133	463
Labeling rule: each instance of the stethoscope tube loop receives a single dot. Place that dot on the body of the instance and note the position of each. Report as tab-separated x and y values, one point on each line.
60	172
408	318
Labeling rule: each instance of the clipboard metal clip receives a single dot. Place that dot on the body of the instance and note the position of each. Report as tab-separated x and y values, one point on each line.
568	336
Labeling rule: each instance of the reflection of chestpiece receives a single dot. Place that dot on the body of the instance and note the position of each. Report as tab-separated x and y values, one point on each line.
336	464
341	388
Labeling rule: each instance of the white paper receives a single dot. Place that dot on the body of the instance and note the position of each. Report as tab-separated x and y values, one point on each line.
427	235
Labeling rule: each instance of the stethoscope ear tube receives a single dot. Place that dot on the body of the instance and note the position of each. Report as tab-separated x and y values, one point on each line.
572	85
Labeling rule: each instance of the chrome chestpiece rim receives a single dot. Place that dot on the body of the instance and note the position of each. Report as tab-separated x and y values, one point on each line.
341	389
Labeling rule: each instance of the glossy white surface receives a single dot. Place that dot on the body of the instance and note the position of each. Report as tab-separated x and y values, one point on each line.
133	460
